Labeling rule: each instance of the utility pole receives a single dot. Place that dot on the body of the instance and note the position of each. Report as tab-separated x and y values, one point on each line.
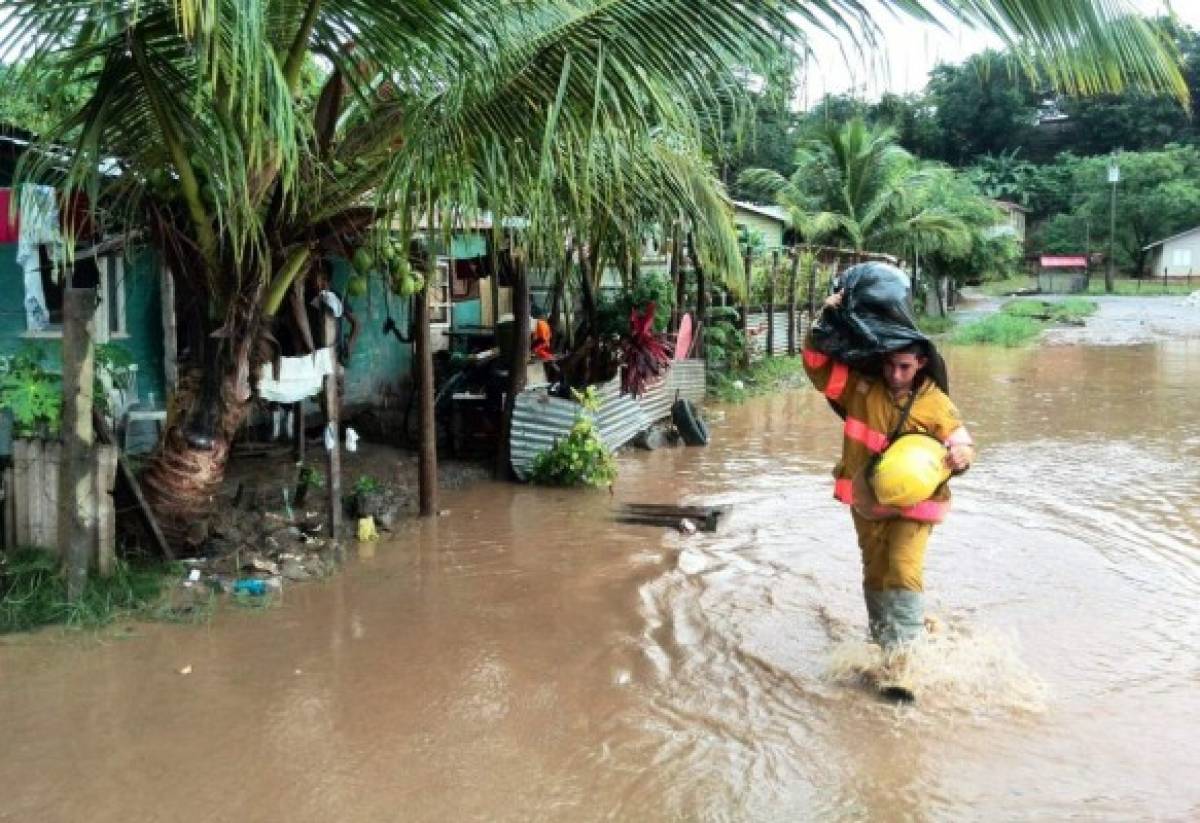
1114	176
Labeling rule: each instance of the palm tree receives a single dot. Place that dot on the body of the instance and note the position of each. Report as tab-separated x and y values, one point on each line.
853	183
256	137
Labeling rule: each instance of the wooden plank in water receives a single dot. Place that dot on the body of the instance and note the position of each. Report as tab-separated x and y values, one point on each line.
706	518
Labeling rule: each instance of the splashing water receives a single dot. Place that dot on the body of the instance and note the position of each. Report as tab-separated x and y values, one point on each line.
954	668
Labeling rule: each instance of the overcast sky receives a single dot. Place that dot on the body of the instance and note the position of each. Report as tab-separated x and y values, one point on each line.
909	49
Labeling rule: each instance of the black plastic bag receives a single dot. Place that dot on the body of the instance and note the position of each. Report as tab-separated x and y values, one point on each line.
875	318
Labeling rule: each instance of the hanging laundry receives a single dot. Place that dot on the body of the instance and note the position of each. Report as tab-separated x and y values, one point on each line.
299	377
39	227
467	272
10	224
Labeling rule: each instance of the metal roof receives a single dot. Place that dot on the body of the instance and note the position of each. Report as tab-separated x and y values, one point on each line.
1169	239
773	212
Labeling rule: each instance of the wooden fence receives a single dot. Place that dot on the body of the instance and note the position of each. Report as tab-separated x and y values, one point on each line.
31	498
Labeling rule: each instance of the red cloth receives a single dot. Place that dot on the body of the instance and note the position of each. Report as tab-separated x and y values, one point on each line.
10	232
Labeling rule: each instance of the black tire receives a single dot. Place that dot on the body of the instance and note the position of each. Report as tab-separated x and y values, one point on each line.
692	427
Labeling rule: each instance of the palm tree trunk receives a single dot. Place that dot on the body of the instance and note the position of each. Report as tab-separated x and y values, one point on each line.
560	286
183	477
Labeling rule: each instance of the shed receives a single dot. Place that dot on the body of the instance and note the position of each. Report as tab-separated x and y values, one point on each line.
1176	256
1063	273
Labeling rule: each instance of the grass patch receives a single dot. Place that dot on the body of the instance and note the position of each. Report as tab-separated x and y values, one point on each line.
998	330
771	374
934	324
1148	287
1122	286
33	593
1070	310
1002	288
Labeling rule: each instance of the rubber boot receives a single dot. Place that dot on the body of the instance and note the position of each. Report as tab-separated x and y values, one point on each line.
875	612
903	617
903	624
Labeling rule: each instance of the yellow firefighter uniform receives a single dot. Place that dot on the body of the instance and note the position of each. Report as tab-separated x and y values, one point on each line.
892	540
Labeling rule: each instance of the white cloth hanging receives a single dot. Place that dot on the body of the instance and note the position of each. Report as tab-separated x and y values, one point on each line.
39	227
299	377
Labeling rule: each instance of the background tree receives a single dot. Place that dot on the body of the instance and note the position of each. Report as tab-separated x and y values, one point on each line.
1159	195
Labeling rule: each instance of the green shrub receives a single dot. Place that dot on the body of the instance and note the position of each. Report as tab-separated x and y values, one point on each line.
612	312
1070	310
998	330
724	342
771	374
934	324
31	393
580	458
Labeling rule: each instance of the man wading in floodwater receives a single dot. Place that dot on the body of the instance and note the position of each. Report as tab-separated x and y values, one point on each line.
877	412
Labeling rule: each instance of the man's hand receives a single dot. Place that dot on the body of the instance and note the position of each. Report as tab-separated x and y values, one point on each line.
959	458
833	301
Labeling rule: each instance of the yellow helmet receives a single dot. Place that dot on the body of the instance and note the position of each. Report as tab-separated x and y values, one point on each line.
910	470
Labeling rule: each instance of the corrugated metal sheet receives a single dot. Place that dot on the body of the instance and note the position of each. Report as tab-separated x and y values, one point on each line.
539	419
757	329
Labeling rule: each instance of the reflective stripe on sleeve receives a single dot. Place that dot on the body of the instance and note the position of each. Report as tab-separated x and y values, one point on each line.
814	359
837	381
860	432
843	490
959	437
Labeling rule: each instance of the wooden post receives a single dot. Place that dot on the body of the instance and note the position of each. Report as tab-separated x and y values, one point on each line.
427	486
332	423
516	366
746	266
170	333
791	302
812	290
771	303
106	512
77	485
701	296
678	279
298	433
494	264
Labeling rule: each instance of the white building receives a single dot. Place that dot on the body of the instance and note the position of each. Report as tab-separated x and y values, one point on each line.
1176	256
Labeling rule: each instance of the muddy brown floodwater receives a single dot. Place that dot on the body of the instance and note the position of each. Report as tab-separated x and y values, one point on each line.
527	659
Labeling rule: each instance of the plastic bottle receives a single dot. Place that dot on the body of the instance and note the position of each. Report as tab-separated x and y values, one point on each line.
255	586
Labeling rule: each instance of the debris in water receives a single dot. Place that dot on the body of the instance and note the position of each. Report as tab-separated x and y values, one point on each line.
687	526
702	518
366	529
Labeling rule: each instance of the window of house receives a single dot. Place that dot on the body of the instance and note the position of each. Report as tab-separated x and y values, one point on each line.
1181	258
106	274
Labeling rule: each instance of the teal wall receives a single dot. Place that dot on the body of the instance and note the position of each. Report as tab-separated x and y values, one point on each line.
143	317
468	312
379	361
143	321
